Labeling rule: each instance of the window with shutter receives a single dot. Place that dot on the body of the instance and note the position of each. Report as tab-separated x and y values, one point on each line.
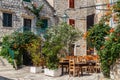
72	22
27	0
27	25
7	20
71	3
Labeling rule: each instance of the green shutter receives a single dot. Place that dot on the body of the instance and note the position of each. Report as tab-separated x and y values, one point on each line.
45	23
27	0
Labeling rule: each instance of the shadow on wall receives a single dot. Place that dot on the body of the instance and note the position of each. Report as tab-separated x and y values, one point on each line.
3	78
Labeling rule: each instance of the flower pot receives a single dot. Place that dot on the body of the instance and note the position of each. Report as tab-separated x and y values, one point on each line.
55	73
34	69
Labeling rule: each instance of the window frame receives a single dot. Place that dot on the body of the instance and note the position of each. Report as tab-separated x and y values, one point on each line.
9	19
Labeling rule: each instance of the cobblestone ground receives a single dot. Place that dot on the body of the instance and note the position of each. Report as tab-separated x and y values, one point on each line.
24	74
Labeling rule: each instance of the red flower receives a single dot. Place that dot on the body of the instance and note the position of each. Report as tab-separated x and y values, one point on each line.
111	30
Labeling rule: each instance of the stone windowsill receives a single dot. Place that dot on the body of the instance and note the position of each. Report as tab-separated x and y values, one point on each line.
6	10
5	27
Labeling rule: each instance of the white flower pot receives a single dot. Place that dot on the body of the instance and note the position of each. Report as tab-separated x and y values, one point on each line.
54	73
34	69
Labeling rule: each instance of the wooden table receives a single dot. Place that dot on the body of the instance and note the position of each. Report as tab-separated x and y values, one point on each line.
81	64
62	63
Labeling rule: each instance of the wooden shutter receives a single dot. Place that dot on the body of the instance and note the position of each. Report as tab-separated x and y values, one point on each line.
71	3
72	22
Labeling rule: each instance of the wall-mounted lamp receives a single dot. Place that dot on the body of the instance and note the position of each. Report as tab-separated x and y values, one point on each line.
65	17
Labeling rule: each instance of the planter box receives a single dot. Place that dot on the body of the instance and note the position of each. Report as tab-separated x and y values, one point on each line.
54	73
34	69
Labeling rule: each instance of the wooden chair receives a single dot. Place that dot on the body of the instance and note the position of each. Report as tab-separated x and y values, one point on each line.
83	60
66	67
90	67
97	65
73	68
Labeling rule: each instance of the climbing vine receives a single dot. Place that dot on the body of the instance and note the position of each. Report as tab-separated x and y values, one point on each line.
36	11
106	39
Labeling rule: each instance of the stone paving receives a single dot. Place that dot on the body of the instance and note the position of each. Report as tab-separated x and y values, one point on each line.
24	74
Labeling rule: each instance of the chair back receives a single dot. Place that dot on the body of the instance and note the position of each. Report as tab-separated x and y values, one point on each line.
72	65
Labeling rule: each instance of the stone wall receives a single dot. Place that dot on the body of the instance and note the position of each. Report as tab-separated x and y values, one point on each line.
115	71
18	11
80	17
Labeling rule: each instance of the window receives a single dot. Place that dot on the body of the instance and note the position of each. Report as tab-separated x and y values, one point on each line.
7	20
27	0
71	3
72	22
44	23
27	25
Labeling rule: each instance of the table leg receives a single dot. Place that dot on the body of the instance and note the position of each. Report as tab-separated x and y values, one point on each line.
81	71
62	69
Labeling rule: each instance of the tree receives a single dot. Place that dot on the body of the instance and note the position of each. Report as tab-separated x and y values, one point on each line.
106	39
57	38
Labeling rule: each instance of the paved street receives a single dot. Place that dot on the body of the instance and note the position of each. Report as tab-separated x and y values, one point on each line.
24	74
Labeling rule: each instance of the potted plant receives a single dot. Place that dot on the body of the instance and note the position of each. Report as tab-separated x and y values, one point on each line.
52	60
51	48
34	49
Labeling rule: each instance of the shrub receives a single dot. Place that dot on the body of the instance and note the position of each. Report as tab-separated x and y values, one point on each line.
109	48
16	44
57	38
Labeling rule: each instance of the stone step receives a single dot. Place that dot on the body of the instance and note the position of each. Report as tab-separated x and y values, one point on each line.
8	66
3	61
5	65
6	69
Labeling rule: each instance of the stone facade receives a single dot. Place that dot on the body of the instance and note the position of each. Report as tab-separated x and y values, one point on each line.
100	9
115	71
19	13
80	17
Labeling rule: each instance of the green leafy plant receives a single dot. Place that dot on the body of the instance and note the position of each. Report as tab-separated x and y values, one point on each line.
106	40
95	35
111	51
18	43
57	38
35	51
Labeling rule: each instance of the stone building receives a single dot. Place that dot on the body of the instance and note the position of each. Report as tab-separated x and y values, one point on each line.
14	15
101	9
80	15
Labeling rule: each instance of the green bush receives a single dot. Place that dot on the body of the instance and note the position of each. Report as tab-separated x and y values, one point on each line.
108	49
35	51
57	38
16	43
